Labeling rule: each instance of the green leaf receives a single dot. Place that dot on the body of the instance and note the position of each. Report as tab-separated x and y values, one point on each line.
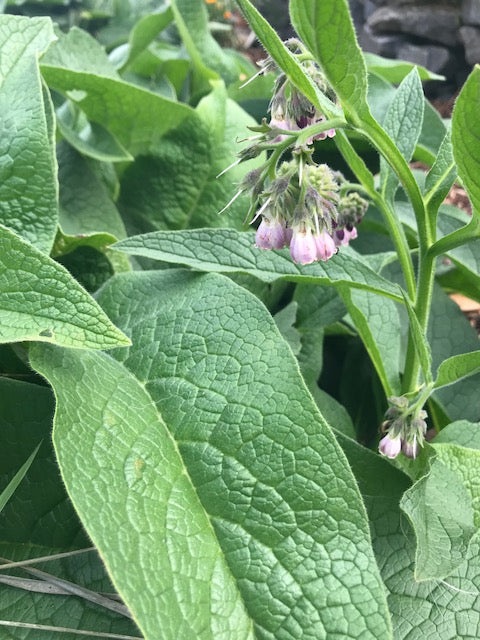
10	489
285	59
144	31
285	321
457	368
137	117
256	450
440	177
403	123
89	138
449	334
192	22
41	301
467	256
420	341
396	70
28	188
334	413
465	136
441	513
378	324
88	215
178	187
432	136
462	432
229	251
326	27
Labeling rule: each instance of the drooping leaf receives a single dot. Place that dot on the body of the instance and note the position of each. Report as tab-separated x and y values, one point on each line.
137	117
28	191
89	138
254	447
394	70
228	251
41	301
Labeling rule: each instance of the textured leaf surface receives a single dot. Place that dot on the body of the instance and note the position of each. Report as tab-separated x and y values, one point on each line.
28	191
457	367
39	300
465	136
229	251
461	432
326	28
178	186
403	122
265	466
440	509
139	500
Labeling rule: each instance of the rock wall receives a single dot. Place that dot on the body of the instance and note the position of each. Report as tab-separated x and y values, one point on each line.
443	36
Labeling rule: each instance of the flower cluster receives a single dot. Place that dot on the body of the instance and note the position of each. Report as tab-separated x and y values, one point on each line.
405	429
307	212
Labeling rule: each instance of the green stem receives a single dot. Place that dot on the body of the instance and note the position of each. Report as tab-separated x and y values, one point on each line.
422	309
320	127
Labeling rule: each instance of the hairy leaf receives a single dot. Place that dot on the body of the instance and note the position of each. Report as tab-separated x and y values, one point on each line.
267	472
230	251
28	181
41	301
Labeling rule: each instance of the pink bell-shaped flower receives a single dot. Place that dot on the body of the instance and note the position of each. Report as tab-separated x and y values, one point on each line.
325	245
270	234
390	447
303	248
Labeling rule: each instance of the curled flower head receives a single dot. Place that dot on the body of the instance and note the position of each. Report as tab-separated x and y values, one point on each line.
405	429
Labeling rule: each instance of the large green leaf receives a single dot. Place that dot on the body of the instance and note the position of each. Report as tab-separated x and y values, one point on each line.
440	177
28	187
229	251
465	136
403	122
178	186
39	300
326	27
267	472
395	70
137	117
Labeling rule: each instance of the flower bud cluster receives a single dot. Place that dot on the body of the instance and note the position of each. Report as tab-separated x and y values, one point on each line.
405	429
305	212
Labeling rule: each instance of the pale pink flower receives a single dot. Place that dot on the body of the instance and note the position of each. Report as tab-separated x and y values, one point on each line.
325	245
390	447
303	248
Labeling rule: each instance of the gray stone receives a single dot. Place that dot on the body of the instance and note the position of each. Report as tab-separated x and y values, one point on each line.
471	12
401	3
471	41
369	8
386	46
434	23
357	9
434	58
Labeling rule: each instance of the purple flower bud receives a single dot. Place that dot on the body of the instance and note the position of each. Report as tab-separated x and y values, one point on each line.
303	248
343	236
389	446
410	449
270	234
325	245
